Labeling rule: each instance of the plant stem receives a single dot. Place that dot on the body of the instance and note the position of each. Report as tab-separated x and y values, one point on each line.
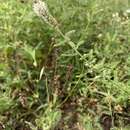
69	41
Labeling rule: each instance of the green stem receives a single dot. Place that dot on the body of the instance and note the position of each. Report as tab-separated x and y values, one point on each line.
70	43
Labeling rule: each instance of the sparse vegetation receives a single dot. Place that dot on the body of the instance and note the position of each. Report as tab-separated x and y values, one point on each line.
74	75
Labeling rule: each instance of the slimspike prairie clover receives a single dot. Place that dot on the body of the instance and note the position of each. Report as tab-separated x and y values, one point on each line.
41	10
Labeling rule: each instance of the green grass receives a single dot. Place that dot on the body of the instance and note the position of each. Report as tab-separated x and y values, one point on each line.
45	84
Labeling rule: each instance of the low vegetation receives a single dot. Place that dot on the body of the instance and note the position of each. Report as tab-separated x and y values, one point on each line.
74	77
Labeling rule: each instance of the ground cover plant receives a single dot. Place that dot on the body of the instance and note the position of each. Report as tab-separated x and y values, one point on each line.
72	73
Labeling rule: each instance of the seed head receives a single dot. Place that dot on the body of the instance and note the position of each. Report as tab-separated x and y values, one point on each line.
41	10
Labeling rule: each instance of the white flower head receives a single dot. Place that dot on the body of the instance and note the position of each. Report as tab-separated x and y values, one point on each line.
41	10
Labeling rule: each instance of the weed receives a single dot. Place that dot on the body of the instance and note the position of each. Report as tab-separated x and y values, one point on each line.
64	65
